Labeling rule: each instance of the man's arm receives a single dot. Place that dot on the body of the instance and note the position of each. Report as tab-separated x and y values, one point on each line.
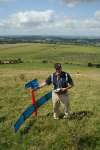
43	84
46	82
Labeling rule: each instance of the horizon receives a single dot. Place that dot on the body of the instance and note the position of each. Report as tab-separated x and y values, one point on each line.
59	36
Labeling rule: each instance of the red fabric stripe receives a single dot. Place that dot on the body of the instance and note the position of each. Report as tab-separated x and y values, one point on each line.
34	103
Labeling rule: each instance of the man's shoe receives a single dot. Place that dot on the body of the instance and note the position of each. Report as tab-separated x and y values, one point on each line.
66	116
56	118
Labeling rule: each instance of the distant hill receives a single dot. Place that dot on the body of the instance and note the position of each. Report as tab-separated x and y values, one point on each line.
50	39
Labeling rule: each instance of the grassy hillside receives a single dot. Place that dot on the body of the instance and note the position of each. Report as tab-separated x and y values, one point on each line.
81	131
36	53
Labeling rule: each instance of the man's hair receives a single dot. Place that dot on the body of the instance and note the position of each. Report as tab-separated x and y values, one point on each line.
57	66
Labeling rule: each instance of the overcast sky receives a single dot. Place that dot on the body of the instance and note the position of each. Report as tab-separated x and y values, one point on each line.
50	17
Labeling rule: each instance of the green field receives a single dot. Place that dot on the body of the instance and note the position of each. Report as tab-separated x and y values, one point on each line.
79	132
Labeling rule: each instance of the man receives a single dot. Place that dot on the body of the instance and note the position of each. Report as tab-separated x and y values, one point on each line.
61	81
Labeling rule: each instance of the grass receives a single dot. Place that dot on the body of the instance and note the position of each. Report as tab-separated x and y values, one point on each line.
36	53
80	132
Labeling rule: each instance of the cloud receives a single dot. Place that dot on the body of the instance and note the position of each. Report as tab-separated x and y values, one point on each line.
97	15
29	19
72	3
48	22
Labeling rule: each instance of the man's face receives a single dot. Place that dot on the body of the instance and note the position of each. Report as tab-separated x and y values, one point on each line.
58	71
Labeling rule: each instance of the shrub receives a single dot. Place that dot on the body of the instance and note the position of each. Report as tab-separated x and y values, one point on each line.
97	65
44	61
19	60
90	64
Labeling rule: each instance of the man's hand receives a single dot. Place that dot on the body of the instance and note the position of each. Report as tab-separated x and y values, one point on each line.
63	89
31	90
66	89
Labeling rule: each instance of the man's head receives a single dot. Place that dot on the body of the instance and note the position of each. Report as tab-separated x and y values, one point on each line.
58	68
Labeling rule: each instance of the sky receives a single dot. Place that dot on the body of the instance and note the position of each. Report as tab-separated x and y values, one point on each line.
50	17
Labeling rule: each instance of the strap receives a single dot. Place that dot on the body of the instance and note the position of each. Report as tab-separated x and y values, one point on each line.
52	78
66	76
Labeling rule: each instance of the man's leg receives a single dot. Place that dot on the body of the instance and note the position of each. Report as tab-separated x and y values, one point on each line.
56	104
65	101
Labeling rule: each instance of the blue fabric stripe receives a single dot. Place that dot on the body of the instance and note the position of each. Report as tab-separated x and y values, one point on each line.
44	99
19	123
32	84
26	114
